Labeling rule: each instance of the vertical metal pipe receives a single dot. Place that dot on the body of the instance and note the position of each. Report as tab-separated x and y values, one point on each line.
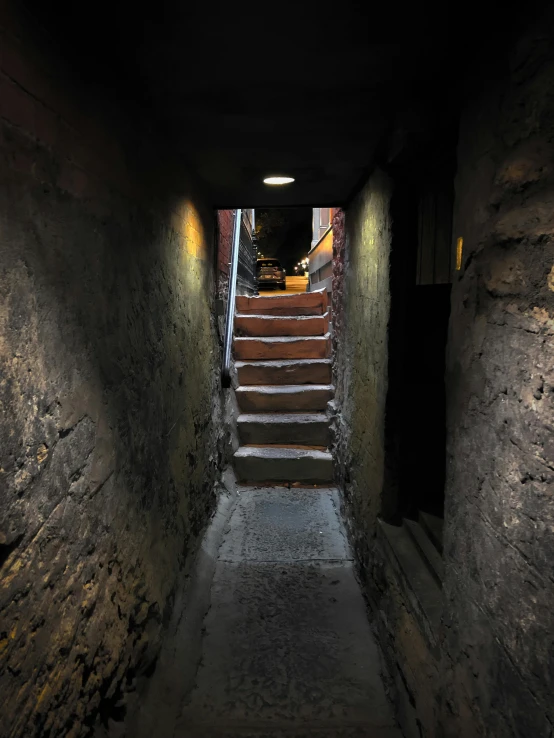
254	254
231	298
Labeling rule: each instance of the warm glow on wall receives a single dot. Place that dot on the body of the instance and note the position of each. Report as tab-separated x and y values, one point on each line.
188	223
459	250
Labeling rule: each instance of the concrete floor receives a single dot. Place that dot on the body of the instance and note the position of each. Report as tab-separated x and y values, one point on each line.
286	648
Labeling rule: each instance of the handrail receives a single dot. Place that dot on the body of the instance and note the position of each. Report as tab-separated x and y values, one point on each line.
231	298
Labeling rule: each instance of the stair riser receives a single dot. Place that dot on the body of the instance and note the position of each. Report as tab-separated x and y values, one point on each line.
315	471
303	349
316	301
307	434
256	326
285	311
313	400
302	374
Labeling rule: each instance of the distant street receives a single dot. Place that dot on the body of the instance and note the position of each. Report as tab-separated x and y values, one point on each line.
294	285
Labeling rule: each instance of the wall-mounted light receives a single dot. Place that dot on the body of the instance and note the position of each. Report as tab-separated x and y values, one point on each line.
459	251
278	180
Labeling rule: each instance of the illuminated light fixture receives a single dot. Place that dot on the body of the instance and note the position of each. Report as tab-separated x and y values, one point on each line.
459	251
278	180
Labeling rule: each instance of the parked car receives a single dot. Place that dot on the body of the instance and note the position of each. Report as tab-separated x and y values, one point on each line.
270	273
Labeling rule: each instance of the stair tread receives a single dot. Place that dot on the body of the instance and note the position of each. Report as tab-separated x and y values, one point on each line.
416	574
278	363
282	317
434	526
284	389
276	428
299	417
260	326
427	548
282	347
314	296
284	371
282	339
279	452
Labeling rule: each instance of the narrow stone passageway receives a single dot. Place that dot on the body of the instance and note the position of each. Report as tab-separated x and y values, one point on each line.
173	552
287	648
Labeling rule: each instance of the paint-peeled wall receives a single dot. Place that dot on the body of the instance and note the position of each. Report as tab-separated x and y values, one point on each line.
109	425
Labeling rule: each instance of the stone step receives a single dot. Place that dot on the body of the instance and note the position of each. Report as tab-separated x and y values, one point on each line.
279	325
305	303
289	347
284	398
300	371
308	429
427	549
276	464
433	526
423	592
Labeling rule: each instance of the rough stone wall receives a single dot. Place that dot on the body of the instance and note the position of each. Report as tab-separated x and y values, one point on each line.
337	301
488	670
225	219
498	667
108	398
360	366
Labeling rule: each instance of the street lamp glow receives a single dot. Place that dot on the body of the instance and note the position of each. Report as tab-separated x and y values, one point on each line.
278	180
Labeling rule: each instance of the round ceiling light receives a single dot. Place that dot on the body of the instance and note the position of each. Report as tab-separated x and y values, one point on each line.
278	180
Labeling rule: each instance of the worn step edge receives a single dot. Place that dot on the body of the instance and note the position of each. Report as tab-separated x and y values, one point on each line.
270	452
283	398
284	371
282	339
316	297
279	363
279	429
284	389
427	549
433	525
290	318
420	586
275	463
260	326
284	311
260	373
283	418
282	347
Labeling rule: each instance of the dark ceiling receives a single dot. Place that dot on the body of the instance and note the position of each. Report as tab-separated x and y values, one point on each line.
313	90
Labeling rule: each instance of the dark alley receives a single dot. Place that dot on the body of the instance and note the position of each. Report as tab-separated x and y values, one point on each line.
276	371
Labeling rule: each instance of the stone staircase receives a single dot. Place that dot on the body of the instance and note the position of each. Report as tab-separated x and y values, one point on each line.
415	547
282	348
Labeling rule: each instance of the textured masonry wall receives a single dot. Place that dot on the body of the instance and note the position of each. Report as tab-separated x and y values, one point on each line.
499	594
488	671
225	241
110	423
360	364
362	242
339	254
